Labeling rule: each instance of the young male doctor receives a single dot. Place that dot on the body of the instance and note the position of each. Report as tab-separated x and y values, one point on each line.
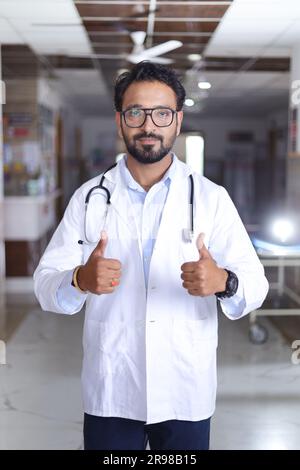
150	254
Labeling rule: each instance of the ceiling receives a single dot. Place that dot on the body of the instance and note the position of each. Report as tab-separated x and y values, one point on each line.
244	94
195	23
263	28
46	26
85	44
109	23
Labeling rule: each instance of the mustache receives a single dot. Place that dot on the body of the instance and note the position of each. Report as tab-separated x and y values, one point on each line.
143	135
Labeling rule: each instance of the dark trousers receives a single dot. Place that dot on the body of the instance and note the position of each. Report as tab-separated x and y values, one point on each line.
101	433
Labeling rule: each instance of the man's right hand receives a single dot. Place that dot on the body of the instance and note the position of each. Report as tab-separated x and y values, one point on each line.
99	275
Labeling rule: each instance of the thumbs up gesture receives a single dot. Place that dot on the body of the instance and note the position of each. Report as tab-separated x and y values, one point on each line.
99	275
203	277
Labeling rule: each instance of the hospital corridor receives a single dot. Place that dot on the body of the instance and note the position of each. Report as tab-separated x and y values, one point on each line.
150	225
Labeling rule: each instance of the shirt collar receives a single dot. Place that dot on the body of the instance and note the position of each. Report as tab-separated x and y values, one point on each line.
133	184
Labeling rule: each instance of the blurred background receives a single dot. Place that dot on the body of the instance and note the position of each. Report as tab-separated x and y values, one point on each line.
239	61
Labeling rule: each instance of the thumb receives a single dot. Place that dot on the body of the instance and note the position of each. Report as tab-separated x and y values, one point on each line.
203	251
100	248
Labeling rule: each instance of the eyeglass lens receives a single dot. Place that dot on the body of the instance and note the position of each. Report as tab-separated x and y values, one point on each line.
161	117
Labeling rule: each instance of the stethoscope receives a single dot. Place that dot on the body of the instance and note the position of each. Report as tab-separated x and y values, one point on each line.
188	233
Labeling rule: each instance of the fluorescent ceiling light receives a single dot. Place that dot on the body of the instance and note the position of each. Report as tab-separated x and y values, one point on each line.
194	57
204	85
189	102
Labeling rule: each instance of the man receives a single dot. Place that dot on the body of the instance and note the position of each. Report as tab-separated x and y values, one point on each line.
150	283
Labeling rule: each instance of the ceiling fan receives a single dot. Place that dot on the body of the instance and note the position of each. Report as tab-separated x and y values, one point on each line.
140	53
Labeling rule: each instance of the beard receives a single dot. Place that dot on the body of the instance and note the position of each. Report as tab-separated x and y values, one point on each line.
147	154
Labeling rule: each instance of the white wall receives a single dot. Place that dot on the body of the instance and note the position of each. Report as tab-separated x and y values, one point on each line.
48	95
99	133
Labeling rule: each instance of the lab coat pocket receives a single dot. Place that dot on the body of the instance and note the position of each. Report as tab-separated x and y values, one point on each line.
112	337
192	350
112	340
104	345
204	353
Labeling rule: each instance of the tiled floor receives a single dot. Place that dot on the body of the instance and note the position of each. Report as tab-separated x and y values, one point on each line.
40	401
258	404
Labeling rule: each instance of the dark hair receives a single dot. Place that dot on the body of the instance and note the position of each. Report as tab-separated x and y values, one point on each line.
149	72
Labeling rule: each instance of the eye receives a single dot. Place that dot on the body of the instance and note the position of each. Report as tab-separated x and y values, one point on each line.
134	112
163	112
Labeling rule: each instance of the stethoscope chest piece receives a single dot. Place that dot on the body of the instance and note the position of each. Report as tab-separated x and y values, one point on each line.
187	235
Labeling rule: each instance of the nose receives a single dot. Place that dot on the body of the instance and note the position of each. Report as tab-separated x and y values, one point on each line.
148	124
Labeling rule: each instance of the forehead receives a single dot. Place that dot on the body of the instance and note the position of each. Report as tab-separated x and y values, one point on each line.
149	94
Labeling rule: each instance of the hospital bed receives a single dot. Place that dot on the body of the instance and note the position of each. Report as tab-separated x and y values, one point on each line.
282	268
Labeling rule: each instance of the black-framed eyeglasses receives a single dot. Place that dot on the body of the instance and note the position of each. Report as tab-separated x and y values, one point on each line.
136	117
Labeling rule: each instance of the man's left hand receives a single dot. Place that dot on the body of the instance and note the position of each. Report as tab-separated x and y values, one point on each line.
203	277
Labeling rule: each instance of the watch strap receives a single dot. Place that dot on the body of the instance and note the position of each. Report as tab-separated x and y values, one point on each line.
232	284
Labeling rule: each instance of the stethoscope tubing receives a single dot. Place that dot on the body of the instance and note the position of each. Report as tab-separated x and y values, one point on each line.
101	186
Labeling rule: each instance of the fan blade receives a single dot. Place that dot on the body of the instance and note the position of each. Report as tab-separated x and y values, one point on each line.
160	49
161	60
135	59
105	56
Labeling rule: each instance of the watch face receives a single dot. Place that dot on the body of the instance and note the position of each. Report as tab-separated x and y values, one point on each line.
231	284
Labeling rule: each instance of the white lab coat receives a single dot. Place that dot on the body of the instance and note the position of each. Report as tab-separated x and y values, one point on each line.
150	354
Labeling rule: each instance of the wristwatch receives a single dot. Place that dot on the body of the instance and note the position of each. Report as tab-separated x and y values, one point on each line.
231	287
